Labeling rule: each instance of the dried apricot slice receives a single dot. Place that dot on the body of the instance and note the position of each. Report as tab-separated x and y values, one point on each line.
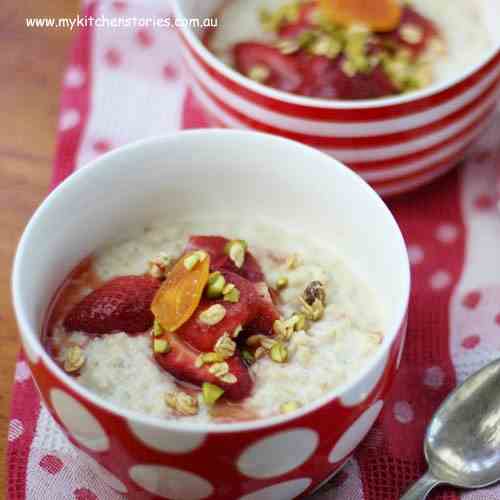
378	15
181	292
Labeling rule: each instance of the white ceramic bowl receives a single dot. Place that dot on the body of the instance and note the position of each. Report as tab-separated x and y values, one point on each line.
396	143
209	171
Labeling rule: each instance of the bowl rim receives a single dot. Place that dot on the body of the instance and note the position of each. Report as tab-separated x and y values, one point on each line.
311	102
29	335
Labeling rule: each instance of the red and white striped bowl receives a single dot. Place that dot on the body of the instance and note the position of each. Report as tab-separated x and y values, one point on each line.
172	177
396	143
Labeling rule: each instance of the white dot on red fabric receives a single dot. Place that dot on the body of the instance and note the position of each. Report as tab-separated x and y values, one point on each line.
471	342
471	300
79	422
69	119
22	371
403	412
278	454
101	146
440	280
84	494
144	37
447	233
167	441
355	434
74	77
170	72
484	202
434	377
415	254
113	57
51	464
167	482
280	491
16	429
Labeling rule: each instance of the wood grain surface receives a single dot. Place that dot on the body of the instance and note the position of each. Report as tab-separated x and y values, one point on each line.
31	68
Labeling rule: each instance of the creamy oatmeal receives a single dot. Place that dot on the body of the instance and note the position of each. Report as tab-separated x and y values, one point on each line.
282	320
306	47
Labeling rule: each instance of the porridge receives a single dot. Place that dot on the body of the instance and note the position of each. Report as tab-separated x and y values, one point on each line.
349	49
212	328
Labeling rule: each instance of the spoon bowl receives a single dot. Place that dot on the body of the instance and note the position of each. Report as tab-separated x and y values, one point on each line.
462	443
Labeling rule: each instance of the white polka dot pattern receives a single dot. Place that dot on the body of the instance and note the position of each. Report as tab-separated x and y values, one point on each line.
278	454
69	118
167	482
22	372
415	254
434	377
355	434
280	491
74	78
447	233
440	280
166	441
403	412
79	422
16	430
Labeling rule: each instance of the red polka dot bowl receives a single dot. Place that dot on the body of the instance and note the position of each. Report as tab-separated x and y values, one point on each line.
396	144
209	170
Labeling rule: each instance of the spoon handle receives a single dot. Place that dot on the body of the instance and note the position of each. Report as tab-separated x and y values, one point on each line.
421	488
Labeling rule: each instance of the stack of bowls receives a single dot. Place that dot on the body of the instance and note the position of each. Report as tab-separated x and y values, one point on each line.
396	143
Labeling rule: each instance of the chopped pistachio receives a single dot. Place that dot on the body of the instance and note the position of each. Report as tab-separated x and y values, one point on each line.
231	293
259	352
314	311
228	378
284	328
215	285
219	369
211	393
259	73
236	250
210	358
289	406
326	46
237	331
191	261
248	357
355	51
158	265
287	13
300	321
160	346
182	403
74	359
281	282
213	315
267	342
225	346
279	353
293	261
411	33
157	329
288	45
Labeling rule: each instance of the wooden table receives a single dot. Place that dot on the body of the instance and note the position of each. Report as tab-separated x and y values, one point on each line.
31	68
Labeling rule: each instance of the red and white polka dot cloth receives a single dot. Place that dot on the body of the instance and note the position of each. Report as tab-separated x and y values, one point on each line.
125	84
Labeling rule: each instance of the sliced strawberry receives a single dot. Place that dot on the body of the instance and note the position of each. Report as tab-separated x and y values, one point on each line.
284	71
120	305
326	79
411	17
180	362
267	313
302	24
214	246
203	337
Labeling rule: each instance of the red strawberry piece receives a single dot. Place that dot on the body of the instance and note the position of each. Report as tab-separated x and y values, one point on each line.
302	24
214	246
326	79
120	305
413	18
285	73
202	336
180	362
267	313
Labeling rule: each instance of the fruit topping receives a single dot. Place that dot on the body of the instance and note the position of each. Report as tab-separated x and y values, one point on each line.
182	290
120	305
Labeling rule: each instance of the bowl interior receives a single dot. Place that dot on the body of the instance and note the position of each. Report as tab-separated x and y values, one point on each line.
489	12
209	171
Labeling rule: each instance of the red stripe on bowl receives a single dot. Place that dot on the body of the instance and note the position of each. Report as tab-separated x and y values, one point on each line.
328	111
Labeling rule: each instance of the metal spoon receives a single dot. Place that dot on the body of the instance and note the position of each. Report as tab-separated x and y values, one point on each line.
462	443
